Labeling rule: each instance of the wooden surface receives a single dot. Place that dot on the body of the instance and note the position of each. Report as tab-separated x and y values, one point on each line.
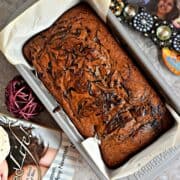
7	72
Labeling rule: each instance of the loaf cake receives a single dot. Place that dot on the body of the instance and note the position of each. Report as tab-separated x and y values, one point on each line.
97	84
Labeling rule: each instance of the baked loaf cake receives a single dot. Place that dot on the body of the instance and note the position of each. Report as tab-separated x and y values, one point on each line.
97	84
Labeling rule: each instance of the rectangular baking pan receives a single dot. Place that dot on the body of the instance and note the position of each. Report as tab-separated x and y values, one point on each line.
153	167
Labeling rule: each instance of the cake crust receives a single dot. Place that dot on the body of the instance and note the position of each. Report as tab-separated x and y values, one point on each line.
97	84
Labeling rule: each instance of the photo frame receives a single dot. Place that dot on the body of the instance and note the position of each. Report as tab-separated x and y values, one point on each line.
168	10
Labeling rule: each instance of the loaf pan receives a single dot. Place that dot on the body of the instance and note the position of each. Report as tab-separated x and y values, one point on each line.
60	117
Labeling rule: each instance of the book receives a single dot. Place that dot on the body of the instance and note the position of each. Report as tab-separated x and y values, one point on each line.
35	152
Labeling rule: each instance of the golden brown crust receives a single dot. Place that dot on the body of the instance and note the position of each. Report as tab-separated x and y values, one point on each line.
97	84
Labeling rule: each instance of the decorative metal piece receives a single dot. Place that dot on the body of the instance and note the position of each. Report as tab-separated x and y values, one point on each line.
130	11
117	13
143	22
161	32
117	7
176	43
